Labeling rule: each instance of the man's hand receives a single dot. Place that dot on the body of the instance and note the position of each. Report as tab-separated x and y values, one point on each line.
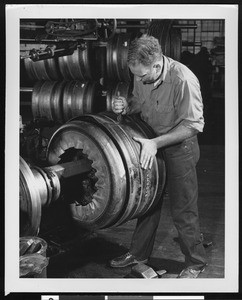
119	105
148	152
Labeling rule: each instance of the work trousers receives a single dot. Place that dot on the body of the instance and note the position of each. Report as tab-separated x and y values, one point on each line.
180	161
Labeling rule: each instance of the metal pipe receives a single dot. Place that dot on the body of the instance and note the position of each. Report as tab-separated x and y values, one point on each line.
27	26
26	89
46	40
131	26
185	26
197	44
194	40
69	169
48	179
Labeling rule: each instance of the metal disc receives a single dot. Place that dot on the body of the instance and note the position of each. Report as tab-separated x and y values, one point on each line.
42	70
30	202
125	145
47	98
117	54
160	29
80	65
148	185
110	195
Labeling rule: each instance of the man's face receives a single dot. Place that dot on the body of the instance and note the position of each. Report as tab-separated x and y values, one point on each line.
146	74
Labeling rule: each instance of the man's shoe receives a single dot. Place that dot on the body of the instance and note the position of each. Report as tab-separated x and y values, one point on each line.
125	260
190	272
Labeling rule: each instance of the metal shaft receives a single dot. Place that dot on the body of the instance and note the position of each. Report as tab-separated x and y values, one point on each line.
48	180
41	186
28	26
26	89
185	26
70	169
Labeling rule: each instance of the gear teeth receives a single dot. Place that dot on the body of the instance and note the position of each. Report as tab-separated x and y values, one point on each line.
79	145
97	202
97	196
100	182
56	153
64	145
92	206
95	165
99	174
97	199
85	149
98	186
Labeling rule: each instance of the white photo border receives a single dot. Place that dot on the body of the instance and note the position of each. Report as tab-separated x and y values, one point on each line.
22	285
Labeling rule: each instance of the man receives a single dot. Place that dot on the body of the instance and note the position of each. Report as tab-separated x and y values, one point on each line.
167	95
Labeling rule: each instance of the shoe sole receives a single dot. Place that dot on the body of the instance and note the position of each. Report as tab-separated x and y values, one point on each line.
130	264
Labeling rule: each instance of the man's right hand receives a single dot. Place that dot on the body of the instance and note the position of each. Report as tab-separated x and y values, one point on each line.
119	105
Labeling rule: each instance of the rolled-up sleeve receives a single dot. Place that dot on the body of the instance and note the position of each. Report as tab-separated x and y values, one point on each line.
188	103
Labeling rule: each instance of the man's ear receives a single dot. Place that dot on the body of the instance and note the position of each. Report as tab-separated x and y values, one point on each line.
157	68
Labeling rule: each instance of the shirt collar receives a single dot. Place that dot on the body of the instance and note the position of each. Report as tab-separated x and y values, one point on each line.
165	76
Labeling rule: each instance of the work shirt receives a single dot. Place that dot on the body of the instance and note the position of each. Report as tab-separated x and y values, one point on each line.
174	99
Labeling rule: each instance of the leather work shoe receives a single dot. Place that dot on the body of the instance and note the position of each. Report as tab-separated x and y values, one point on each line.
190	272
125	260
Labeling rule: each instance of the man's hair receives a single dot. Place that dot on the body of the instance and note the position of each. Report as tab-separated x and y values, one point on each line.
144	50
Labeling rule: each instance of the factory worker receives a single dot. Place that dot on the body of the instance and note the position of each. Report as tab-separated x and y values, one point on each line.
167	95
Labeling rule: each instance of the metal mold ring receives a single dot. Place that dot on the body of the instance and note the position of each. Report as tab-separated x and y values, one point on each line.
101	211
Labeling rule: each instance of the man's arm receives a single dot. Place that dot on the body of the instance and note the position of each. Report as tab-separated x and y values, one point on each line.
149	147
174	136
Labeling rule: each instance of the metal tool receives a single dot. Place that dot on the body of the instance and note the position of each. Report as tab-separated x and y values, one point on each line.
143	271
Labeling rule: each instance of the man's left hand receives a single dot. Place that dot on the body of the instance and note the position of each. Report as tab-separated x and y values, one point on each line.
148	152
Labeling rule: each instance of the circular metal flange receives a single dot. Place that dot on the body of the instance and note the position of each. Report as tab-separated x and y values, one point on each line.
81	98
160	29
110	195
124	190
80	65
158	165
117	55
144	185
48	184
76	99
47	100
30	202
129	152
42	70
168	36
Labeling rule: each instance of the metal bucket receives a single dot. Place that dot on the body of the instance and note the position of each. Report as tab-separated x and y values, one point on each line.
33	266
32	245
33	261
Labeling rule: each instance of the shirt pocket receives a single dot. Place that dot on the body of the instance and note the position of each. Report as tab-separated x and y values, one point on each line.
164	108
165	115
